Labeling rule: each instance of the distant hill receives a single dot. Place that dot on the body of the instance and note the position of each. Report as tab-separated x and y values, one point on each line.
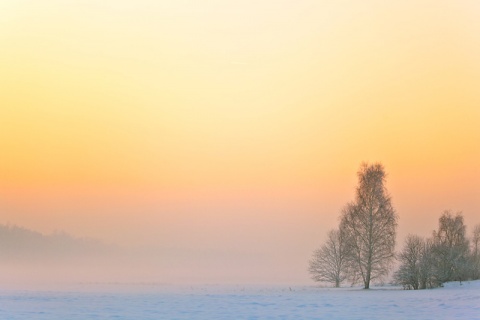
17	243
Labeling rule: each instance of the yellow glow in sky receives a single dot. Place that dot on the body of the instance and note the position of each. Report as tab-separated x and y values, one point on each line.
174	114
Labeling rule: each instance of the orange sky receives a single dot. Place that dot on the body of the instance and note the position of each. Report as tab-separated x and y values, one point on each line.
224	127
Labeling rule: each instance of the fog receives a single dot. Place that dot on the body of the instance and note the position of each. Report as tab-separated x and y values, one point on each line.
228	244
190	240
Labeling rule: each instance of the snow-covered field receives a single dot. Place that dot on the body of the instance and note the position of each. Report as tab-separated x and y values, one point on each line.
86	302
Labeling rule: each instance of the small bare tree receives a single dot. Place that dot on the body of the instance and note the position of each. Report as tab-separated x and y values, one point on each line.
427	264
451	249
328	263
409	274
416	264
476	252
369	224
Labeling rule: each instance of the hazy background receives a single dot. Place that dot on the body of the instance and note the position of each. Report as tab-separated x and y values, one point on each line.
217	141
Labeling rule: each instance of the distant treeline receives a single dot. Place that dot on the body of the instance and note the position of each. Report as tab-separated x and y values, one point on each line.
17	244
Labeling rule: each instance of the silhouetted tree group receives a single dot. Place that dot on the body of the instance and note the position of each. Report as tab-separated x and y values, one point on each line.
446	256
363	246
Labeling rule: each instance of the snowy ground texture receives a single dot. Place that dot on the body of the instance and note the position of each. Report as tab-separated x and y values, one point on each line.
455	301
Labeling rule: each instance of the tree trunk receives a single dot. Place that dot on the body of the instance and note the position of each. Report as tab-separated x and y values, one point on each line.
423	284
367	280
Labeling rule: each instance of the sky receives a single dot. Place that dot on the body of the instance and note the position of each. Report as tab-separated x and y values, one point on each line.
222	138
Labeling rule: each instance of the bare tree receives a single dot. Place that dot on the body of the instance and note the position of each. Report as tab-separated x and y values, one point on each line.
451	248
476	252
328	263
409	274
427	264
416	264
370	225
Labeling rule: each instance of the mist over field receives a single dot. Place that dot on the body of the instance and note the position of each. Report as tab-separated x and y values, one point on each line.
32	259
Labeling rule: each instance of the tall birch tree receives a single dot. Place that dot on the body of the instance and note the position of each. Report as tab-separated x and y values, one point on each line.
369	223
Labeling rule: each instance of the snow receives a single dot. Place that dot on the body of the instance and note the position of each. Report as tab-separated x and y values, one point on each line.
454	301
